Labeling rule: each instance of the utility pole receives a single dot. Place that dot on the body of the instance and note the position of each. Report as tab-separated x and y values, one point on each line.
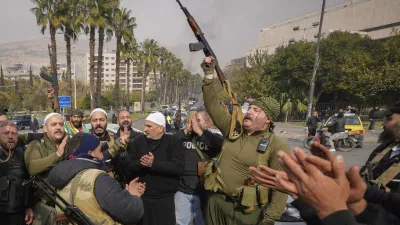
316	63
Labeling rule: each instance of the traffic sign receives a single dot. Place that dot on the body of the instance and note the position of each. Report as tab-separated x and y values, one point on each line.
65	101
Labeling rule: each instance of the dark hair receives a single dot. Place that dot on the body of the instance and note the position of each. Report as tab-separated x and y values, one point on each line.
74	143
6	123
3	112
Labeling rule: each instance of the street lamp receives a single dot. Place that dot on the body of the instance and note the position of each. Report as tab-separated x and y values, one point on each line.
73	55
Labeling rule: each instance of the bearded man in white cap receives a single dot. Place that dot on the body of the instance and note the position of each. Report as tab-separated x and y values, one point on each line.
110	146
41	157
158	160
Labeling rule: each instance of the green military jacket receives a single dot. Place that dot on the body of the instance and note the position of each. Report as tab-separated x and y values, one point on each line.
237	156
40	157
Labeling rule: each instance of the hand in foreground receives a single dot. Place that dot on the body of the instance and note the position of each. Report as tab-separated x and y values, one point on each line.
124	137
325	194
61	147
147	160
28	216
267	177
188	128
135	187
195	126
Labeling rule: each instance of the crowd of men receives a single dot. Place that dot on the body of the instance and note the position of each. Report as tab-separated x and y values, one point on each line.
197	175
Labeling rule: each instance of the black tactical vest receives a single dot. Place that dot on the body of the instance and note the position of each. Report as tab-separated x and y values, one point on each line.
12	174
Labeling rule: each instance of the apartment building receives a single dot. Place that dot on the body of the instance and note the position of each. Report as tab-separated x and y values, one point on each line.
108	73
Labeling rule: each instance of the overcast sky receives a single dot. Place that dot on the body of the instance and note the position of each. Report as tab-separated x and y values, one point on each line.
231	26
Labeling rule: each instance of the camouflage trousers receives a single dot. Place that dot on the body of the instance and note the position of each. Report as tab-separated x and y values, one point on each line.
336	136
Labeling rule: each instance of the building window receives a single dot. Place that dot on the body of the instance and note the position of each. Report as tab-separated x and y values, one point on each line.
112	64
107	58
107	64
112	69
112	58
107	70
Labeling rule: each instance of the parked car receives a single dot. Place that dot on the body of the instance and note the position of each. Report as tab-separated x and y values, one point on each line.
22	121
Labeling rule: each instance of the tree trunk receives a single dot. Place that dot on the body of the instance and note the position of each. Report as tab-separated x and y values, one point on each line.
99	66
128	84
142	99
117	64
176	91
53	66
165	88
2	76
68	46
91	69
30	76
157	90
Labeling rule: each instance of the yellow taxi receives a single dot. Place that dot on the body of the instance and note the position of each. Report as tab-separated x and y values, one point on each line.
353	124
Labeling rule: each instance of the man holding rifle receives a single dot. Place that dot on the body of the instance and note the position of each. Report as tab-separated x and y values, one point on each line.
234	198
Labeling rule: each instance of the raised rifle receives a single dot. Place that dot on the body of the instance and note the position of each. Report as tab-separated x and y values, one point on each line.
202	44
53	79
70	211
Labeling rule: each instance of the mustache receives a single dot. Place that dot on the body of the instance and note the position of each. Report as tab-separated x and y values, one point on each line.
99	126
58	132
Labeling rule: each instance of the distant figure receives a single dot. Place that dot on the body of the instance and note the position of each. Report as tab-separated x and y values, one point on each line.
372	119
114	119
34	124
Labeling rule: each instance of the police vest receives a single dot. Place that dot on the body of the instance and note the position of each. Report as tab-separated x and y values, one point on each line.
80	192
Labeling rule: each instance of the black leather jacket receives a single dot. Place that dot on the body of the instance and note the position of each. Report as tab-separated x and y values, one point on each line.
339	125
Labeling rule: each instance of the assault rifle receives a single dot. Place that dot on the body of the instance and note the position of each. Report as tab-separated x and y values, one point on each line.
53	79
202	44
70	211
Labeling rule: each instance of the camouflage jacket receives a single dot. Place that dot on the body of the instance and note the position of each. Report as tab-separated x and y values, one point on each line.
40	157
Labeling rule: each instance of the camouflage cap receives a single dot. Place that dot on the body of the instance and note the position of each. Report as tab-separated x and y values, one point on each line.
269	105
78	112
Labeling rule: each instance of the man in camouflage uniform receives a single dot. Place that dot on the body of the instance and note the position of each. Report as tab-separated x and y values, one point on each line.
75	123
235	200
101	199
40	157
382	169
110	146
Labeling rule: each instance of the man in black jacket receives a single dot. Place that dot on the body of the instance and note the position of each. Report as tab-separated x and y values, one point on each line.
98	195
312	124
200	145
381	169
338	130
158	160
15	203
118	163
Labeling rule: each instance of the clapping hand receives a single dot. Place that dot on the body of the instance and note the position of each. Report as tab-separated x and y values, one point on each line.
147	160
135	187
124	136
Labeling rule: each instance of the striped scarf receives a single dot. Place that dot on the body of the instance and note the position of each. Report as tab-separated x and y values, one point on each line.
72	130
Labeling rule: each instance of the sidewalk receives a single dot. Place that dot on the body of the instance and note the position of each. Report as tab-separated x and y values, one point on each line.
290	131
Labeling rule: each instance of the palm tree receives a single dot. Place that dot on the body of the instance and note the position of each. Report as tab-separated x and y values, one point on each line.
90	13
149	56
48	16
71	27
122	25
106	9
129	53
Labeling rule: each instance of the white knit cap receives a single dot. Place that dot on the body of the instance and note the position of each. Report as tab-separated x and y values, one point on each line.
98	110
157	118
51	115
